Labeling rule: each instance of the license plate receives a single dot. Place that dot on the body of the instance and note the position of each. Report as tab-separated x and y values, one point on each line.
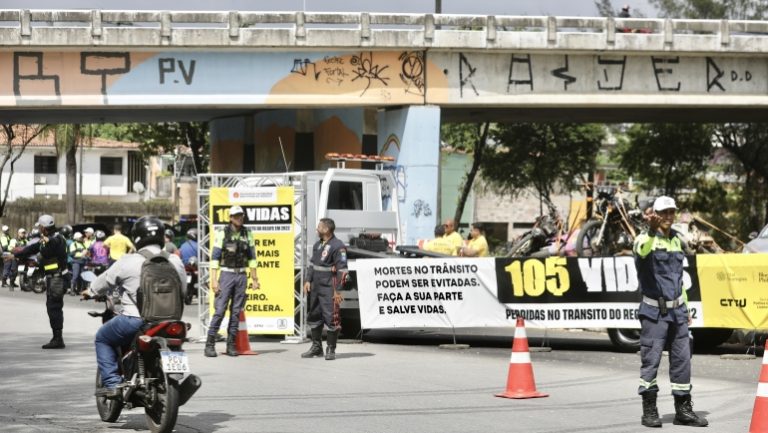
175	362
189	279
21	269
30	271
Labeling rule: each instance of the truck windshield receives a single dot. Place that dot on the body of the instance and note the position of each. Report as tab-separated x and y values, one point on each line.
345	195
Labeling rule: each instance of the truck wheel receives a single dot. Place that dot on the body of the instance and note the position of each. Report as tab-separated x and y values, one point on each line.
625	340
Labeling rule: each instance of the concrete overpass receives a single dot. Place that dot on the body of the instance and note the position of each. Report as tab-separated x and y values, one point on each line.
371	83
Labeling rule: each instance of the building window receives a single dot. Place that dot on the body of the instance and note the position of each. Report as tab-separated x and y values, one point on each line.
111	166
46	164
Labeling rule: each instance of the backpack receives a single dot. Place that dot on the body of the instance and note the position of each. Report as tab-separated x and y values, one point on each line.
161	294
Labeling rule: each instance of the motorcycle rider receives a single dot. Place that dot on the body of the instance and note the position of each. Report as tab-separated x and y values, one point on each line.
20	241
77	255
169	246
125	275
88	237
98	251
53	251
189	248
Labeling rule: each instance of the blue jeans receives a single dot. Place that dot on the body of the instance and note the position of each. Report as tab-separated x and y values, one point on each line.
77	269
116	333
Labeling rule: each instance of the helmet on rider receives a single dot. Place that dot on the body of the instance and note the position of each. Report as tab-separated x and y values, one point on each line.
5	229
77	236
66	231
147	230
21	231
88	231
169	234
34	233
45	224
192	234
100	235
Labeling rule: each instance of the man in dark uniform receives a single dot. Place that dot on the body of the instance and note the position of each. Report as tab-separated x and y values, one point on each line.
53	250
328	268
233	254
664	315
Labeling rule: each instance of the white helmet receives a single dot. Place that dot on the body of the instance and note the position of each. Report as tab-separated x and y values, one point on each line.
5	229
89	230
77	236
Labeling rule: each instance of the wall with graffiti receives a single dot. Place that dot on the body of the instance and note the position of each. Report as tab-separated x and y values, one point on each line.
412	135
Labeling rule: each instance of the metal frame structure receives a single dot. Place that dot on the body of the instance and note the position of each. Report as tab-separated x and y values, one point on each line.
299	183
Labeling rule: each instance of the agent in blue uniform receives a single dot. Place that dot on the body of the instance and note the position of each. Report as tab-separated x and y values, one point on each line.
327	269
53	251
233	254
664	316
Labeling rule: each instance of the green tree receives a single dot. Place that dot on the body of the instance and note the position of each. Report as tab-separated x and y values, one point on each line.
712	9
472	137
541	156
159	138
605	8
667	156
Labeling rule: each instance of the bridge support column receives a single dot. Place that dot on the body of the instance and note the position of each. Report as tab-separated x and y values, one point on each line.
412	136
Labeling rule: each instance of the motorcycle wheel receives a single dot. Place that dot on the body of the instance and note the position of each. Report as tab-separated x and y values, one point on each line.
585	246
109	409
24	283
626	340
38	284
163	401
523	247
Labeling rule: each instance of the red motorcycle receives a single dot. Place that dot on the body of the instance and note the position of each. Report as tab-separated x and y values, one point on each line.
153	368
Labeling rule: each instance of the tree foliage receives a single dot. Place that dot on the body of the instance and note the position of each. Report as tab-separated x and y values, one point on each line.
163	138
712	9
470	137
541	156
605	8
667	156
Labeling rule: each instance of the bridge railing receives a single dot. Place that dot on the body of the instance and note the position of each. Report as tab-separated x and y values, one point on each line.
236	29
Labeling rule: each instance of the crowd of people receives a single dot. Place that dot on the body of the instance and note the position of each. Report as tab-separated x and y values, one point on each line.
448	241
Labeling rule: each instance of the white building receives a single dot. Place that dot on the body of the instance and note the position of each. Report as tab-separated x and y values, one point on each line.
109	169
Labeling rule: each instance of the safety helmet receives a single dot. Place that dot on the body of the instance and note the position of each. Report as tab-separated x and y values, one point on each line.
5	229
66	231
169	233
192	234
46	222
147	230
77	236
34	233
235	210
100	235
21	231
89	230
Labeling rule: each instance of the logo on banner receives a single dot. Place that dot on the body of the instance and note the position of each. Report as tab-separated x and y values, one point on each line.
253	195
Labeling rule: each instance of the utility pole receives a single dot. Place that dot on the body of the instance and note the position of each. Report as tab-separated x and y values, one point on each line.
438	6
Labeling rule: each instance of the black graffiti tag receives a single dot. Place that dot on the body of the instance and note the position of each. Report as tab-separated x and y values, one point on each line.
526	80
301	67
561	73
466	78
36	59
168	66
105	64
719	73
412	71
658	71
366	69
608	63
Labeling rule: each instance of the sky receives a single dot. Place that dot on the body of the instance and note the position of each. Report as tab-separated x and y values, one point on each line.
479	7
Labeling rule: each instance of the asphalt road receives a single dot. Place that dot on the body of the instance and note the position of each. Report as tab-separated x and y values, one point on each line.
393	382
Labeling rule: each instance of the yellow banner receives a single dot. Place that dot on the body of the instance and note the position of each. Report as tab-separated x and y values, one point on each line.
269	219
734	290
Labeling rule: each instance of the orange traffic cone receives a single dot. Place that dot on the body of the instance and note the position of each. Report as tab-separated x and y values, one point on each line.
760	412
242	345
520	383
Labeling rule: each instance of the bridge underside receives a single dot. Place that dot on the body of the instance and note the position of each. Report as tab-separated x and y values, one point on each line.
447	114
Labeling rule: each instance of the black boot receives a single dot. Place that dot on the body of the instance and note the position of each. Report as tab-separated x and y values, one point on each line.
650	411
210	346
57	342
317	344
330	351
231	351
684	414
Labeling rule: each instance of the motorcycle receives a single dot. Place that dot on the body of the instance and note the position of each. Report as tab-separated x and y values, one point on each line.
613	232
31	276
548	237
191	270
153	367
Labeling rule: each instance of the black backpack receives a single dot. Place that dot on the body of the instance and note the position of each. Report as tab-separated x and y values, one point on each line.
161	293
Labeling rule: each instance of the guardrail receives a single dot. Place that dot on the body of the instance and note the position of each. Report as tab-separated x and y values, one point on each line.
237	29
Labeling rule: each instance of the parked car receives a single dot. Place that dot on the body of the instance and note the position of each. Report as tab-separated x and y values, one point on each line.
759	242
